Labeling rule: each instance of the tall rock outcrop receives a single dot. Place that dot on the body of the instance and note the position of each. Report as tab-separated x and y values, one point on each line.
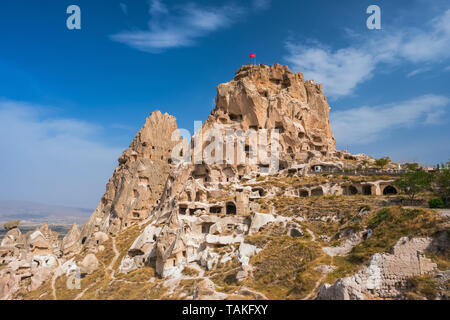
196	213
138	181
272	97
71	243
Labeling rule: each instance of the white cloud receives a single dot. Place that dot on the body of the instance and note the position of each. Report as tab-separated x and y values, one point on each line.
124	8
342	70
417	71
367	124
52	160
179	27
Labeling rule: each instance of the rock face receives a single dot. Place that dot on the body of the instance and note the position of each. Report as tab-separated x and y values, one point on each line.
386	275
89	264
138	181
263	97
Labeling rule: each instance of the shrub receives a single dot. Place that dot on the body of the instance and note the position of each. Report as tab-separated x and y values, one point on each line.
442	182
382	215
414	182
436	203
382	162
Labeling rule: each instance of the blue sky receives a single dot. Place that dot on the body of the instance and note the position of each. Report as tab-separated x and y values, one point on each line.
72	100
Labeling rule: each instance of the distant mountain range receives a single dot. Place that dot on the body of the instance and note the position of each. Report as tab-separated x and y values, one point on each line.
28	211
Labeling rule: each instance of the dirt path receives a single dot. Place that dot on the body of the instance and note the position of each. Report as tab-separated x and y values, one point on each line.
113	261
83	292
312	235
55	275
110	267
313	291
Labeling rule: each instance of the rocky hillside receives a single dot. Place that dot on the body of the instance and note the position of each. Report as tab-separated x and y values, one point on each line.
260	205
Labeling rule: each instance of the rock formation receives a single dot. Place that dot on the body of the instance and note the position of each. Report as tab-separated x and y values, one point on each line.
30	259
194	219
71	243
386	274
263	97
185	208
138	181
11	224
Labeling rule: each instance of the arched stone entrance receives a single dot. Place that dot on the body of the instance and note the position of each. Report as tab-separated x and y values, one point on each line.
303	193
367	190
389	190
350	190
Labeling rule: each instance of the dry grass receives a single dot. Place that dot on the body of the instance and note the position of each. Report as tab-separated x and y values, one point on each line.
190	272
135	285
143	274
124	290
422	287
388	225
284	268
44	292
224	275
124	240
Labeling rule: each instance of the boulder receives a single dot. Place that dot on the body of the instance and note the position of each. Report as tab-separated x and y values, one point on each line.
259	220
89	264
11	224
246	250
100	237
206	290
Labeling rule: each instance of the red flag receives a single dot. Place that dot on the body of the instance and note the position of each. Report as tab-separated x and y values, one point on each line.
252	55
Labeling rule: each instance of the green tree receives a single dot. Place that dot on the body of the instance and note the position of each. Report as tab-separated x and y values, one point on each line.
412	166
414	182
442	182
382	162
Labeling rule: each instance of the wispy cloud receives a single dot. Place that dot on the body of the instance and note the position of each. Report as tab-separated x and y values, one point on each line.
417	71
343	69
182	26
368	123
124	8
340	71
261	4
52	160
